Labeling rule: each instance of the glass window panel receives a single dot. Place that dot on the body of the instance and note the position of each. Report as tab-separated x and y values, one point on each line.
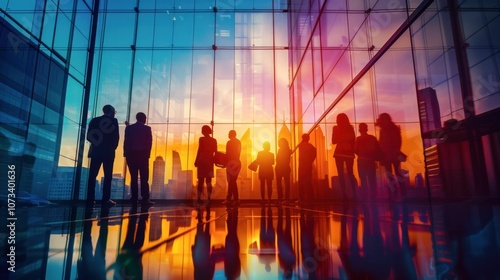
476	49
183	30
225	33
119	29
225	98
73	100
113	83
160	87
121	5
364	99
146	28
281	29
396	86
204	29
61	39
202	87
383	25
69	140
163	37
141	84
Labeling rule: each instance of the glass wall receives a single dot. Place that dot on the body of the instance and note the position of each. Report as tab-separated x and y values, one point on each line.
43	53
355	59
267	69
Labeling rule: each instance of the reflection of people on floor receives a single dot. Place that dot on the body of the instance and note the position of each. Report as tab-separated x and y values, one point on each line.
315	259
267	250
400	252
129	261
232	262
286	254
91	265
371	260
204	266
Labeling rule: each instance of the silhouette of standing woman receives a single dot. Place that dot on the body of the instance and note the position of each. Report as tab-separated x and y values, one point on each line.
265	159
343	136
205	161
390	141
283	169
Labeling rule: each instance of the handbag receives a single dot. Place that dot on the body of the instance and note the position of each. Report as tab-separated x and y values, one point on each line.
253	166
220	159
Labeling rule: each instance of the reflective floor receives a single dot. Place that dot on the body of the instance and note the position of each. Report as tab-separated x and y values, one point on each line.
382	240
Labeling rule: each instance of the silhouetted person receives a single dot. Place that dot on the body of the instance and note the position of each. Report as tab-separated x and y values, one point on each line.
232	262
92	265
129	261
233	167
204	266
265	160
103	136
368	150
283	169
286	254
204	162
390	142
343	137
307	156
136	149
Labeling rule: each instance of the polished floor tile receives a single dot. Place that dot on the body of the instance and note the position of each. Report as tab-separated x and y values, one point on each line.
309	241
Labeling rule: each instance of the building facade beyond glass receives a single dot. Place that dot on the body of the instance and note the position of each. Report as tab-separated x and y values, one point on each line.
268	69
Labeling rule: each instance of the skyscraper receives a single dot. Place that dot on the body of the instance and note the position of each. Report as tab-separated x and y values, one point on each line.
158	182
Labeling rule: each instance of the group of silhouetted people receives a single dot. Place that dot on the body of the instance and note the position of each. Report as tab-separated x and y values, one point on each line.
103	136
369	150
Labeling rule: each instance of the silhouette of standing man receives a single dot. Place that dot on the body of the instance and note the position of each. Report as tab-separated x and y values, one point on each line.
137	148
204	162
368	150
233	167
103	136
307	155
265	159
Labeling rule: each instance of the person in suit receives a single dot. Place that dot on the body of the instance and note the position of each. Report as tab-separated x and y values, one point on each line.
265	159
204	162
368	151
103	136
136	149
307	156
233	167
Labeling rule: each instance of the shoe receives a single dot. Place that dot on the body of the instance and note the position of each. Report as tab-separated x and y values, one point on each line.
147	202
110	202
226	202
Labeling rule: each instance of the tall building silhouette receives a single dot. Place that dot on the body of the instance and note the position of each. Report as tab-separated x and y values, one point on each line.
246	155
176	165
428	107
158	182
